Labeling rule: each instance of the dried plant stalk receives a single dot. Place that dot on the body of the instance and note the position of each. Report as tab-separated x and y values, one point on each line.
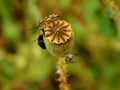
62	72
115	11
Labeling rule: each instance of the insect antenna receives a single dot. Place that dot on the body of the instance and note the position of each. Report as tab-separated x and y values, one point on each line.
35	28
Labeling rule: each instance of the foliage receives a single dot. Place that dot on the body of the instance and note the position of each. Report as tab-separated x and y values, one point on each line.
96	53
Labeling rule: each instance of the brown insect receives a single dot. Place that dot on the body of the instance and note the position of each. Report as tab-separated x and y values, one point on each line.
47	20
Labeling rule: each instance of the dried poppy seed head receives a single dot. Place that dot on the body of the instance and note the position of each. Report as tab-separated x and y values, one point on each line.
58	37
58	32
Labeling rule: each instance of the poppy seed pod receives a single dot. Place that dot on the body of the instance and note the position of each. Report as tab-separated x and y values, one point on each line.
58	38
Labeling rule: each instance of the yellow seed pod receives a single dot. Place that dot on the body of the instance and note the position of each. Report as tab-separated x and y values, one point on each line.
58	32
58	37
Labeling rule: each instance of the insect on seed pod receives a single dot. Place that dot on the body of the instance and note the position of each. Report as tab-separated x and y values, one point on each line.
58	36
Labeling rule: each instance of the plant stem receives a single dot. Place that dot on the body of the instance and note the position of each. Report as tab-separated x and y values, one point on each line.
115	11
62	72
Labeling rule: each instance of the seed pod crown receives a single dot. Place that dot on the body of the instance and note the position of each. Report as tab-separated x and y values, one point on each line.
55	30
58	31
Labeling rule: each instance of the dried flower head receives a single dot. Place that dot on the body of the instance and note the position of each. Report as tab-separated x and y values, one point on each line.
58	31
57	35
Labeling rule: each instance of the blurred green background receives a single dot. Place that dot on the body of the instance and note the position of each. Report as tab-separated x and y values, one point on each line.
96	53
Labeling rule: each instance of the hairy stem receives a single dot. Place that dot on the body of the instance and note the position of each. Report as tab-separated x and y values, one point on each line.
62	72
